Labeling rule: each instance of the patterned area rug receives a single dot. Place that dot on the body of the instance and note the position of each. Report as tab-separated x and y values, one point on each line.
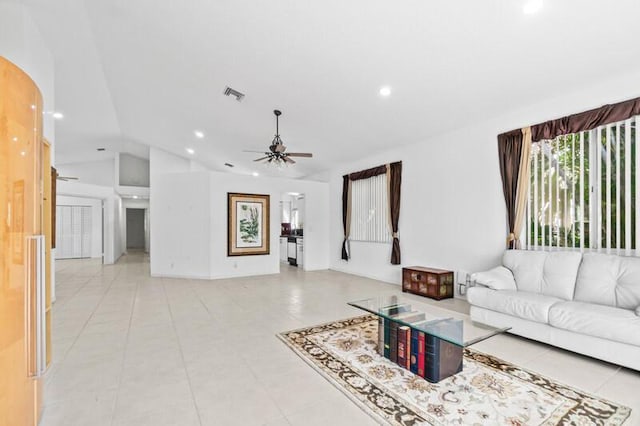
488	391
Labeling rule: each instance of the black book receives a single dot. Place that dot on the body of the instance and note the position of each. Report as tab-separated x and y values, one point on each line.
443	359
384	339
381	336
393	341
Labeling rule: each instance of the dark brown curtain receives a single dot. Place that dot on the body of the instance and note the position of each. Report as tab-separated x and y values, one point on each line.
345	212
369	173
586	120
395	181
509	152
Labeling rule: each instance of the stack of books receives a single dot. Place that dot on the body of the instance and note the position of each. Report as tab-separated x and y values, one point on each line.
422	353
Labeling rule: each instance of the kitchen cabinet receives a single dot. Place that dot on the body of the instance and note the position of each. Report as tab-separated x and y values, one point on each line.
300	251
283	249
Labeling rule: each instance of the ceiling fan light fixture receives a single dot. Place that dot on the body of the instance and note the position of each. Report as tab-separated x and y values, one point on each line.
277	155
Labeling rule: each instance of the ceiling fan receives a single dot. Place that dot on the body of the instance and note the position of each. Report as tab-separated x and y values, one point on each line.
276	154
65	178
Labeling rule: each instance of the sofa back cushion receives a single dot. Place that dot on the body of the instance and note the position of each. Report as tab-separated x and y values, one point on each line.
560	274
549	273
598	279
527	267
628	288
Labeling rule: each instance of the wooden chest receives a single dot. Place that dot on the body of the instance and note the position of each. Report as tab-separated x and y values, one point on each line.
430	282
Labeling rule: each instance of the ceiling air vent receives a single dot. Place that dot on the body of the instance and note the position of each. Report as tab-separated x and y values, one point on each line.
228	91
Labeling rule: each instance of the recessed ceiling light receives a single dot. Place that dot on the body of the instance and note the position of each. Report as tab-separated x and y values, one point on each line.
190	151
199	134
23	153
532	6
135	197
15	139
256	174
58	115
385	91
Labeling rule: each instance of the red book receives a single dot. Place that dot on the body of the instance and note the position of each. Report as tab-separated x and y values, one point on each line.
421	354
408	358
404	338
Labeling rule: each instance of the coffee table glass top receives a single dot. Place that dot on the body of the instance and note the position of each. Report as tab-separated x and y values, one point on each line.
426	318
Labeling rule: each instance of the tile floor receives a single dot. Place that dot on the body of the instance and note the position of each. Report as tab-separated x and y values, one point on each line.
134	350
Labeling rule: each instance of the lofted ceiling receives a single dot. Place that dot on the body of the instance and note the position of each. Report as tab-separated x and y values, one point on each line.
138	73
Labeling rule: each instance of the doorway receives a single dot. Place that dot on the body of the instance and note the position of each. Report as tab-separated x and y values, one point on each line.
292	212
135	229
73	232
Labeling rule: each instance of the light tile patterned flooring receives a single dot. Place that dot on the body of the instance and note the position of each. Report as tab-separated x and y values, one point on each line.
134	350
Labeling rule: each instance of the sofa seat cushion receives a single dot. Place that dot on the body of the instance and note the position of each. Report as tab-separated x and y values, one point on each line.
607	322
521	304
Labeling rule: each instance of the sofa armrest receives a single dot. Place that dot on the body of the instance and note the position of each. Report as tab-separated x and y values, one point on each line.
499	278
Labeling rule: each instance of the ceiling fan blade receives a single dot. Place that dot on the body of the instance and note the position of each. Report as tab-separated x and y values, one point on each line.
289	160
66	178
263	158
300	154
257	152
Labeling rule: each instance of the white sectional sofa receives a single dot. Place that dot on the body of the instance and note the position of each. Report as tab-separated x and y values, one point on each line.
587	303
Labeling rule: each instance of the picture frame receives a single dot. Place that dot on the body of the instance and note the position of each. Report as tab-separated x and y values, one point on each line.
247	224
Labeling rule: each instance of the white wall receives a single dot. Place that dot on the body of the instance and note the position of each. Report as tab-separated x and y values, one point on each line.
316	232
180	225
96	219
161	162
22	44
189	225
133	171
452	209
91	172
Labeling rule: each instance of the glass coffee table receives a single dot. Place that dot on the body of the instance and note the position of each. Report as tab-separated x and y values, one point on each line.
421	340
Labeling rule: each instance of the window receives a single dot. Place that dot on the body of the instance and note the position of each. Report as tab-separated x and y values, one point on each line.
585	191
370	210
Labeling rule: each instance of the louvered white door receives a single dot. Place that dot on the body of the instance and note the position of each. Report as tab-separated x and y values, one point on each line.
73	232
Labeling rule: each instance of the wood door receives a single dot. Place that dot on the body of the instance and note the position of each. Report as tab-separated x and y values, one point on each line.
20	218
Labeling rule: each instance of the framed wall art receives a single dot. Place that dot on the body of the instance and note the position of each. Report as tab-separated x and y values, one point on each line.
248	224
